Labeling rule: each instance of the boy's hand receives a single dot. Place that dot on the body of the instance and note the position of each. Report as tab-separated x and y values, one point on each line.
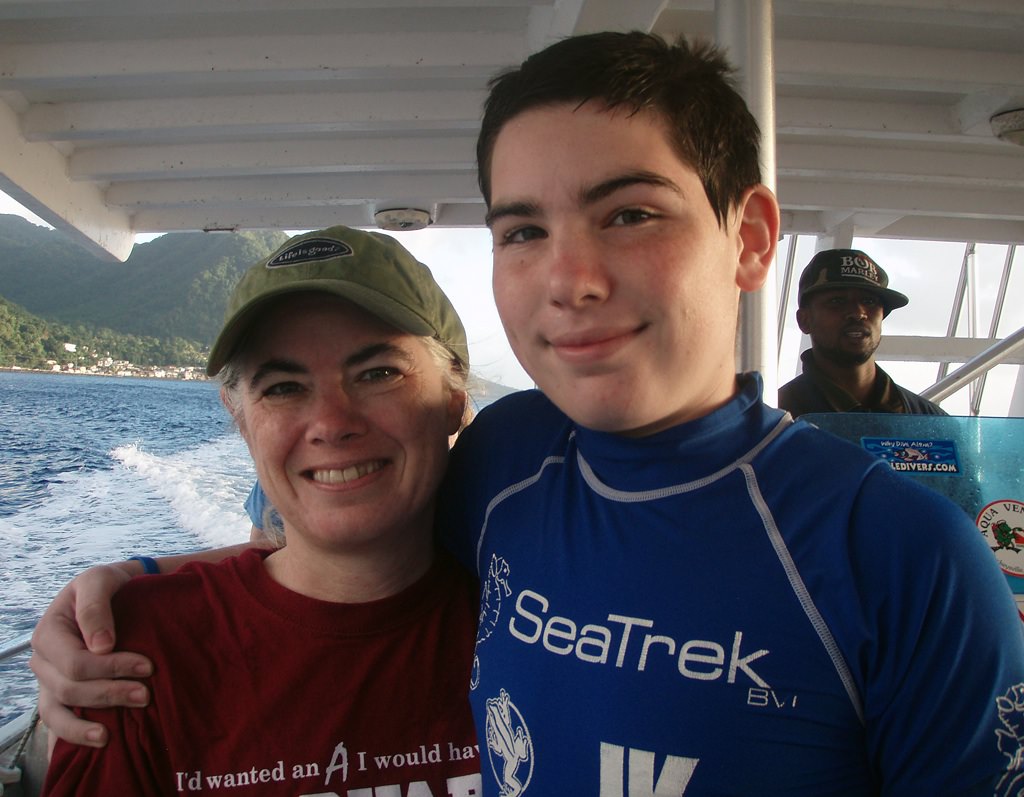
72	658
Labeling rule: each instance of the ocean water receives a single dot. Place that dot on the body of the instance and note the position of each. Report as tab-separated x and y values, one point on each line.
96	469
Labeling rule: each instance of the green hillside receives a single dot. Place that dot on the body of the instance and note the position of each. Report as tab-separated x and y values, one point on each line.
175	286
27	341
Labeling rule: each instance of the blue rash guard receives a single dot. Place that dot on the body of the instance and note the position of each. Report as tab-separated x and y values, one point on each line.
740	605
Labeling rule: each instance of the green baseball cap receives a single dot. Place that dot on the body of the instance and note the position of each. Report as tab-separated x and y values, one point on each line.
369	269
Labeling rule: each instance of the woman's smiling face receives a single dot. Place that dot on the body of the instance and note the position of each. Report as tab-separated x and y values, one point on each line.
347	420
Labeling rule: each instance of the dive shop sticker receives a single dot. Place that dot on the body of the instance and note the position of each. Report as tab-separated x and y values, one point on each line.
915	456
1001	523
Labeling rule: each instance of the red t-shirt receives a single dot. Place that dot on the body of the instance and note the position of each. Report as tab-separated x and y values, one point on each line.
258	690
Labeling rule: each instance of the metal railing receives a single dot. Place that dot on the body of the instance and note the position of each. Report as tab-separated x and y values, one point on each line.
14	735
970	370
15	646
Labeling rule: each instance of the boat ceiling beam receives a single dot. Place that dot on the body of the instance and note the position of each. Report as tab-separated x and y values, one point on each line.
36	176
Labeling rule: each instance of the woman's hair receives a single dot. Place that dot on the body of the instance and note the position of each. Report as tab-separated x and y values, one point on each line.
453	369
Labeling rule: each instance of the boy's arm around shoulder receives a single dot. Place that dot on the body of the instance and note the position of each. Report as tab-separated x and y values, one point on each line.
133	761
73	655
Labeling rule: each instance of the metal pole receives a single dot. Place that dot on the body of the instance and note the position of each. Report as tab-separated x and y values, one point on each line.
743	28
787	281
993	329
958	303
972	316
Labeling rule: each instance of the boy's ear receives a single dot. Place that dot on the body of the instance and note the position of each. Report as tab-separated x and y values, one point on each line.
758	220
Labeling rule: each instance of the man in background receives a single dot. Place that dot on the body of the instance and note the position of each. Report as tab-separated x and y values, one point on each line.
844	295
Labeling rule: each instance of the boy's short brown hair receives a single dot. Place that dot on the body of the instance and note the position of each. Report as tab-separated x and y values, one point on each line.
690	87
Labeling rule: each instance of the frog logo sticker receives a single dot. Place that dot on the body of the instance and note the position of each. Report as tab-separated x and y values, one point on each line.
911	455
1001	523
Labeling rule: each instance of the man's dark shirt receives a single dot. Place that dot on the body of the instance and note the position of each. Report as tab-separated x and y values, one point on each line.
812	391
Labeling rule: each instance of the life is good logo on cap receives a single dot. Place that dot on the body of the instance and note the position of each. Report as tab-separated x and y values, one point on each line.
310	250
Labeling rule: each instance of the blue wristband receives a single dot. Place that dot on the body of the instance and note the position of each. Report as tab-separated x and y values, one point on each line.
149	565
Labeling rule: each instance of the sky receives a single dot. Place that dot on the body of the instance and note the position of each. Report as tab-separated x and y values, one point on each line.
927	272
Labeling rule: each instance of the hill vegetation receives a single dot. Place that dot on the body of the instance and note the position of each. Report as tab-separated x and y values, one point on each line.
27	341
163	306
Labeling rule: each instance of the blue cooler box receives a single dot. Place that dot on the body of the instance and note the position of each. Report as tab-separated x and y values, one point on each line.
976	462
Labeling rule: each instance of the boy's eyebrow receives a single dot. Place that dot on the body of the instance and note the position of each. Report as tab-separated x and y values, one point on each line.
608	187
587	196
285	366
523	209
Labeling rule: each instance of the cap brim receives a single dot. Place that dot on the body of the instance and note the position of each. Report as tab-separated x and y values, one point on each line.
891	300
378	304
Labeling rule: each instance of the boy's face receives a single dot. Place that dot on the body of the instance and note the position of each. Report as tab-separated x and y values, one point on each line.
617	287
